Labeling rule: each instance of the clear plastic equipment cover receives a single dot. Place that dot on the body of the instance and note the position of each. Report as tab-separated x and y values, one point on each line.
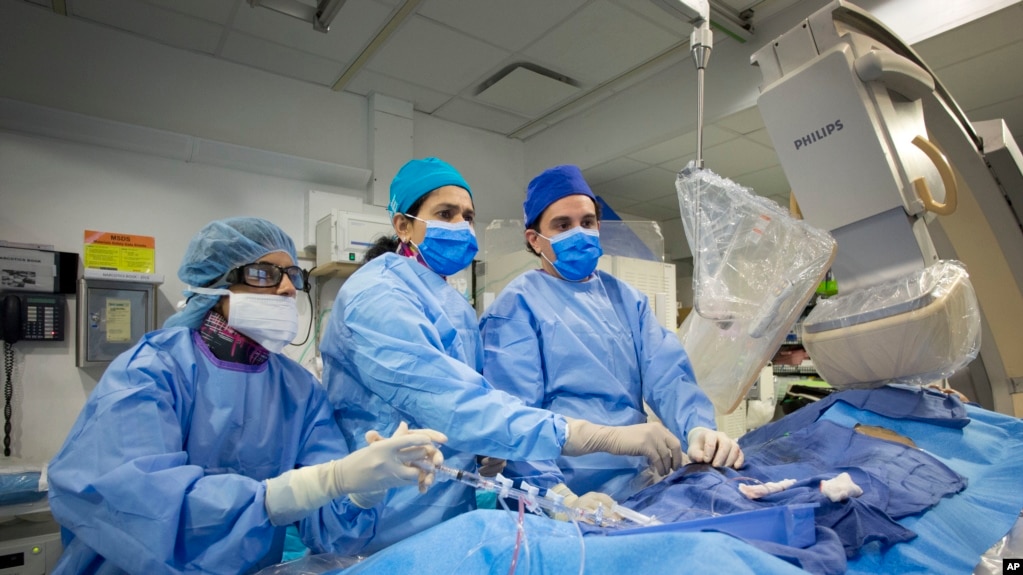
754	269
915	329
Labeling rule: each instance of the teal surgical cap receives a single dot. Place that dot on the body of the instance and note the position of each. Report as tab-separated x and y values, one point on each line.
550	186
218	248
420	177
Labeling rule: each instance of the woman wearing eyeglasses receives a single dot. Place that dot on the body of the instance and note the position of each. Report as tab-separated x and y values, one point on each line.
202	443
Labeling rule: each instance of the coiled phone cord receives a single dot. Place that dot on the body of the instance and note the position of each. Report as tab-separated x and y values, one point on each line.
8	393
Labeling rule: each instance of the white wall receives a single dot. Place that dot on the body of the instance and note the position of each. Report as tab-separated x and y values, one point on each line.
52	190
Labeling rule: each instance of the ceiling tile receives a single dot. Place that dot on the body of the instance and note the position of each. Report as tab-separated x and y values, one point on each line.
972	39
767	182
658	16
646	211
668	203
682	146
616	168
218	11
601	41
962	79
743	122
351	31
510	25
761	137
739	156
641	186
1010	110
164	26
618	203
423	99
468	113
427	54
282	60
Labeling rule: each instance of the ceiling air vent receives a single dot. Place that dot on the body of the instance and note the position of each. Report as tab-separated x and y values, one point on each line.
526	89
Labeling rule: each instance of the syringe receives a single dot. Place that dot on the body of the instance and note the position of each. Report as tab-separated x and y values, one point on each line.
529	495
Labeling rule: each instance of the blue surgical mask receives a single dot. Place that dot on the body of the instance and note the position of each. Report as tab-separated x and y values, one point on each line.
447	248
577	251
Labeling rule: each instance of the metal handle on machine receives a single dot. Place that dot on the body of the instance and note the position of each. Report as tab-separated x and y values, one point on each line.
896	72
947	178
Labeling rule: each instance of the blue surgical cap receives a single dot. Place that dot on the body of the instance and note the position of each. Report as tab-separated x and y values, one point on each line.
218	248
419	177
550	186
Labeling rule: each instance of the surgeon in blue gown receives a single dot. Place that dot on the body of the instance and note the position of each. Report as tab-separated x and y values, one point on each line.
583	343
403	345
202	443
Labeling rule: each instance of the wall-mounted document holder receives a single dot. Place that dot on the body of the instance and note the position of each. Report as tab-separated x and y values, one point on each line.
115	309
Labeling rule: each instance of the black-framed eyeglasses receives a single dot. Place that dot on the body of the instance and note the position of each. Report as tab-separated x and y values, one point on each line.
267	275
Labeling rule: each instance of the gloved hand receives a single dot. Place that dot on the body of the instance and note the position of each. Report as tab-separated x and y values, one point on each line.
489	466
425	477
371	470
589	501
714	447
653	440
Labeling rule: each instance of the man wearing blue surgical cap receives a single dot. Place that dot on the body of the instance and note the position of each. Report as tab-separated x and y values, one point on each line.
583	343
202	443
402	345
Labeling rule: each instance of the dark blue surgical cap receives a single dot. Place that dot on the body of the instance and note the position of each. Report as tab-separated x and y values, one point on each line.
218	248
419	177
550	186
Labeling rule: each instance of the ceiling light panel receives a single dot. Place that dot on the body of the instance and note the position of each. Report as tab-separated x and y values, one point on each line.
526	92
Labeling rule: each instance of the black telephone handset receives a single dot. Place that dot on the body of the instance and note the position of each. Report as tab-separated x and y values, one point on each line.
11	326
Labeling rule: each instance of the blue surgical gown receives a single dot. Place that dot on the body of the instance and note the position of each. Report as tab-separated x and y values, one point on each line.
592	350
163	470
403	345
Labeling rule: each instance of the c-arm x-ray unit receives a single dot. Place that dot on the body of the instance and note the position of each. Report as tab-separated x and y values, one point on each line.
880	155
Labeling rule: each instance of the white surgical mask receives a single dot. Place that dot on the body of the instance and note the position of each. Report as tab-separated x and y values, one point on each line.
269	320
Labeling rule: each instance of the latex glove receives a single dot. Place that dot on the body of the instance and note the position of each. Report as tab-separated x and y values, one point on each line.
589	502
379	466
425	477
652	440
714	447
489	466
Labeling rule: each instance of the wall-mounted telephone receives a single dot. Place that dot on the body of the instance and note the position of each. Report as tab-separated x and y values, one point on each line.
32	316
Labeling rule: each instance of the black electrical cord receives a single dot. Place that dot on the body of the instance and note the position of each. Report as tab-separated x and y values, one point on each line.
312	317
8	394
